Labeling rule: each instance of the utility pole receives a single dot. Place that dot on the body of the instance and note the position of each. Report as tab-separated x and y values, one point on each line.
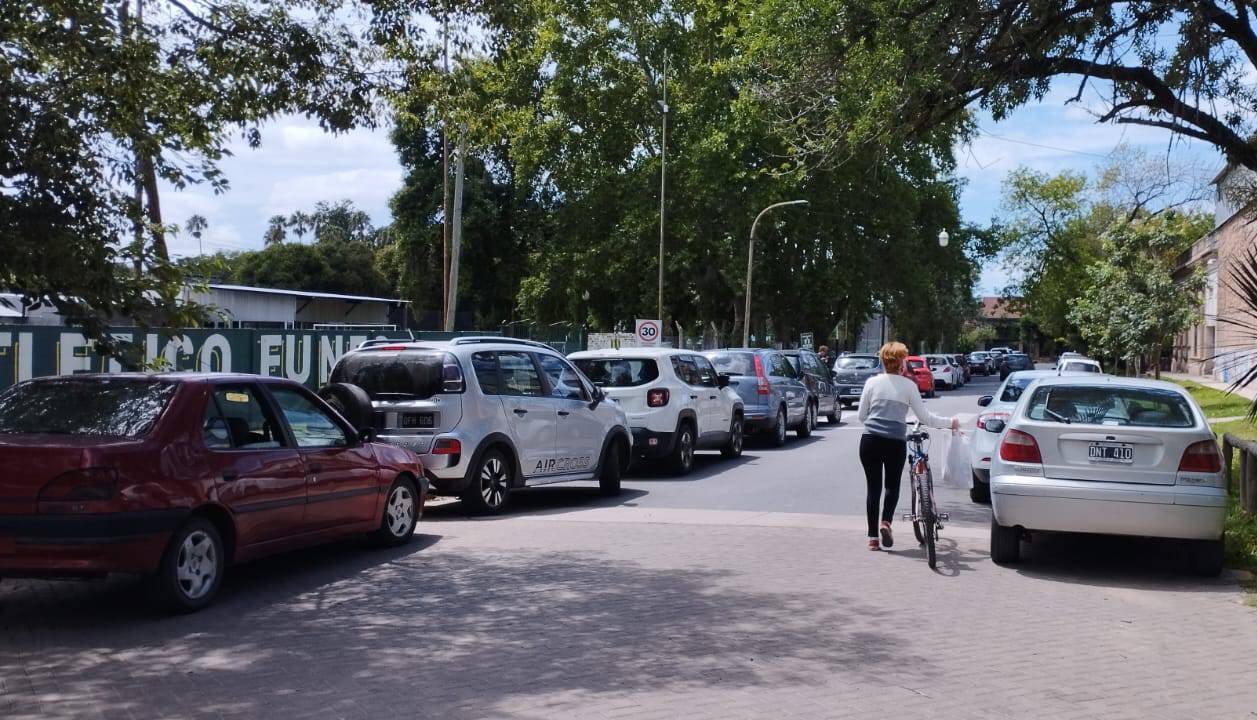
456	244
750	265
445	178
663	181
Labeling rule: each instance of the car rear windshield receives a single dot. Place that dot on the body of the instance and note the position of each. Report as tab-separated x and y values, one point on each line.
619	372
1099	405
915	364
857	363
1079	367
1019	362
393	374
733	363
116	407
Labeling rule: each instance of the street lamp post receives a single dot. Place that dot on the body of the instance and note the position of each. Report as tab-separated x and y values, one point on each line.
663	177
750	263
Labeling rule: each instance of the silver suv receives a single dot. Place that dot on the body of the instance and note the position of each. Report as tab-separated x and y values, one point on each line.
490	415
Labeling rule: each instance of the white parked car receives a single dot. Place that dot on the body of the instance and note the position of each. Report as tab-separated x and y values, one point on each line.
996	407
947	375
1113	456
1079	364
675	401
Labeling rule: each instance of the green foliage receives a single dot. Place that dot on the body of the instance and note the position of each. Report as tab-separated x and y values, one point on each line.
975	337
845	74
1215	403
99	99
563	111
1132	304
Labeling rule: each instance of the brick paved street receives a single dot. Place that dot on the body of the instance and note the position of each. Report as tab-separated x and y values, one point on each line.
577	607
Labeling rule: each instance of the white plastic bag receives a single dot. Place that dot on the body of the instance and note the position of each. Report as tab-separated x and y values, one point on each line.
958	470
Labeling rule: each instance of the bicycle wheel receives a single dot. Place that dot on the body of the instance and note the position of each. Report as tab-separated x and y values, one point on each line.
928	526
916	511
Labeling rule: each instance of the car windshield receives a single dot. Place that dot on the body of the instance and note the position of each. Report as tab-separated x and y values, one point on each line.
117	407
857	362
1104	405
935	361
1013	389
387	373
742	363
619	372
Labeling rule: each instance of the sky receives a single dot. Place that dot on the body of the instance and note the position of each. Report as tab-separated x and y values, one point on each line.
298	165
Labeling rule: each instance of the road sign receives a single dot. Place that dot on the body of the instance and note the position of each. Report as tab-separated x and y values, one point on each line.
805	341
648	332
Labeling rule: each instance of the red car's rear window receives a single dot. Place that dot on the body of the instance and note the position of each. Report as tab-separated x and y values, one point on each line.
118	407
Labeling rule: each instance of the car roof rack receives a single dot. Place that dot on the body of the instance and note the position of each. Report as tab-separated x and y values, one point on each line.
383	341
470	340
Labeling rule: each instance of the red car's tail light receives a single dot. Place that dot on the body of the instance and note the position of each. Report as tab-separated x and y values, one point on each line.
447	446
79	491
762	386
657	397
1019	447
1202	457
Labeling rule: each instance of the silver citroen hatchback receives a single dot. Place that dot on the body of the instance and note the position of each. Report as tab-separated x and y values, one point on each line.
490	415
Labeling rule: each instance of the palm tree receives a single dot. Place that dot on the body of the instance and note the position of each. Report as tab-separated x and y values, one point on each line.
275	232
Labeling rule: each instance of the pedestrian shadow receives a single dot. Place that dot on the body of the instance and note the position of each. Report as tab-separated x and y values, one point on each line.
951	559
1157	564
460	633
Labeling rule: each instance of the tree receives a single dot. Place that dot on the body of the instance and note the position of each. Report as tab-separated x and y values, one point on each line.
104	99
196	225
1132	305
845	73
276	230
563	107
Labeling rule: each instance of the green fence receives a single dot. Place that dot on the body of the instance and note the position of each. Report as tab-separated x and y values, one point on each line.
306	356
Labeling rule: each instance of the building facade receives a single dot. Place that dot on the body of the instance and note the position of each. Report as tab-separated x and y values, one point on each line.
1214	346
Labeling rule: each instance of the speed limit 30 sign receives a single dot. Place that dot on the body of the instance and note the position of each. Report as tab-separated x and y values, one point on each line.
648	332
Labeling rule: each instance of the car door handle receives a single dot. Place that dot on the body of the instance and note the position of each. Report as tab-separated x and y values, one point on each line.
564	413
230	475
693	397
520	412
711	397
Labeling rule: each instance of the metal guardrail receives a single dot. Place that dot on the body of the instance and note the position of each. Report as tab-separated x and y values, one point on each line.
1248	468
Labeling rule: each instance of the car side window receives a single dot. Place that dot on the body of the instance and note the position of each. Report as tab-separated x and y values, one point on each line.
564	380
814	364
311	426
519	375
214	427
706	373
779	367
686	370
248	421
485	365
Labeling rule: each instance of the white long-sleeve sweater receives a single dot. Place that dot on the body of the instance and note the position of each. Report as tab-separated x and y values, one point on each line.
884	406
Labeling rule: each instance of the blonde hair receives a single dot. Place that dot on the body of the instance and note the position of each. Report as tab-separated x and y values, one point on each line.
892	355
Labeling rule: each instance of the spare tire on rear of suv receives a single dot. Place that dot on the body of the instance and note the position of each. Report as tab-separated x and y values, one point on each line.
352	402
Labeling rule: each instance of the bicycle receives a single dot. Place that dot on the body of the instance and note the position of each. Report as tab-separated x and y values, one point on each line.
926	520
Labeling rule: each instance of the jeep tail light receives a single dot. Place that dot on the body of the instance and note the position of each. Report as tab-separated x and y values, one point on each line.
1201	457
761	387
657	397
447	446
984	417
1019	447
79	491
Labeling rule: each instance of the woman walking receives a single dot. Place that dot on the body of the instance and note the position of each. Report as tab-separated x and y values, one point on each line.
884	406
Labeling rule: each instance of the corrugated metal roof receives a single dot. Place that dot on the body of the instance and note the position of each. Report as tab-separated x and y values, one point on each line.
304	293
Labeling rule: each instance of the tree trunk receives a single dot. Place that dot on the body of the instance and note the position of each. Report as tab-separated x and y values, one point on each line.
148	175
1156	360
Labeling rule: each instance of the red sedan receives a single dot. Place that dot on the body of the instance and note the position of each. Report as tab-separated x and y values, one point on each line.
917	370
177	476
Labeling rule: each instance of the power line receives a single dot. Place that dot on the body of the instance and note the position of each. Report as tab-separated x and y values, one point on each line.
1040	145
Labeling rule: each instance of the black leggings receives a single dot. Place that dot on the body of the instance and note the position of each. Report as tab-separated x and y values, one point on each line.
878	454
